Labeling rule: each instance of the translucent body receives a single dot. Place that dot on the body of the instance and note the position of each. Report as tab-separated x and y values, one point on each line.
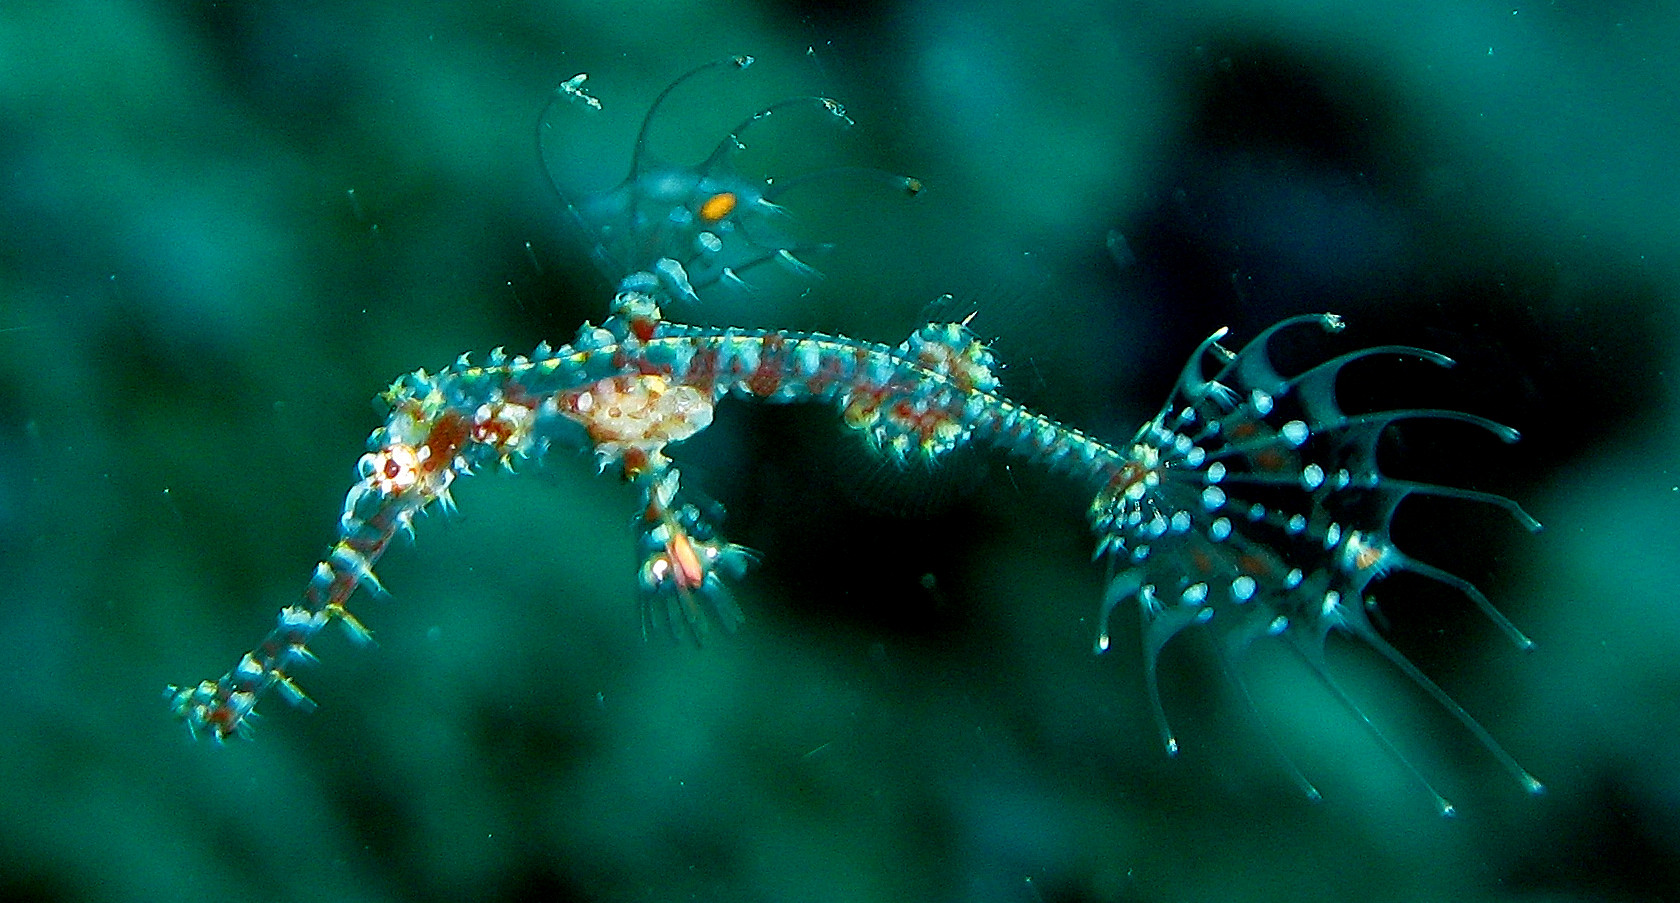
1251	505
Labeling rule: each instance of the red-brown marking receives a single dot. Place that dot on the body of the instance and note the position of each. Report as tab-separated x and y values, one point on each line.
1202	562
1270	459
635	462
768	377
1254	566
448	434
702	369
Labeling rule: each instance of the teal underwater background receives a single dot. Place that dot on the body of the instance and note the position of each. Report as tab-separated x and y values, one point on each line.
227	226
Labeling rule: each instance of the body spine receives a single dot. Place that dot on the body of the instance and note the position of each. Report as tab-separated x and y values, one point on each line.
1250	506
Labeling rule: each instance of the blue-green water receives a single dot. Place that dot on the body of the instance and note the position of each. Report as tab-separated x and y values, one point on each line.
228	226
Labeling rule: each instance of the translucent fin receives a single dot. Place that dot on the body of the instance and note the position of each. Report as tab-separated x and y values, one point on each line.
1527	781
1254	504
685	563
910	186
1517	637
703	224
1158	629
734	141
1234	675
1313	655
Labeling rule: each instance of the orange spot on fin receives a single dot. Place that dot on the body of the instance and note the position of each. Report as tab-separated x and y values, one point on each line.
717	206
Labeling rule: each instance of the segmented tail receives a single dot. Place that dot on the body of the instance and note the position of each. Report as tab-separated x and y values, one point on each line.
1253	504
413	461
